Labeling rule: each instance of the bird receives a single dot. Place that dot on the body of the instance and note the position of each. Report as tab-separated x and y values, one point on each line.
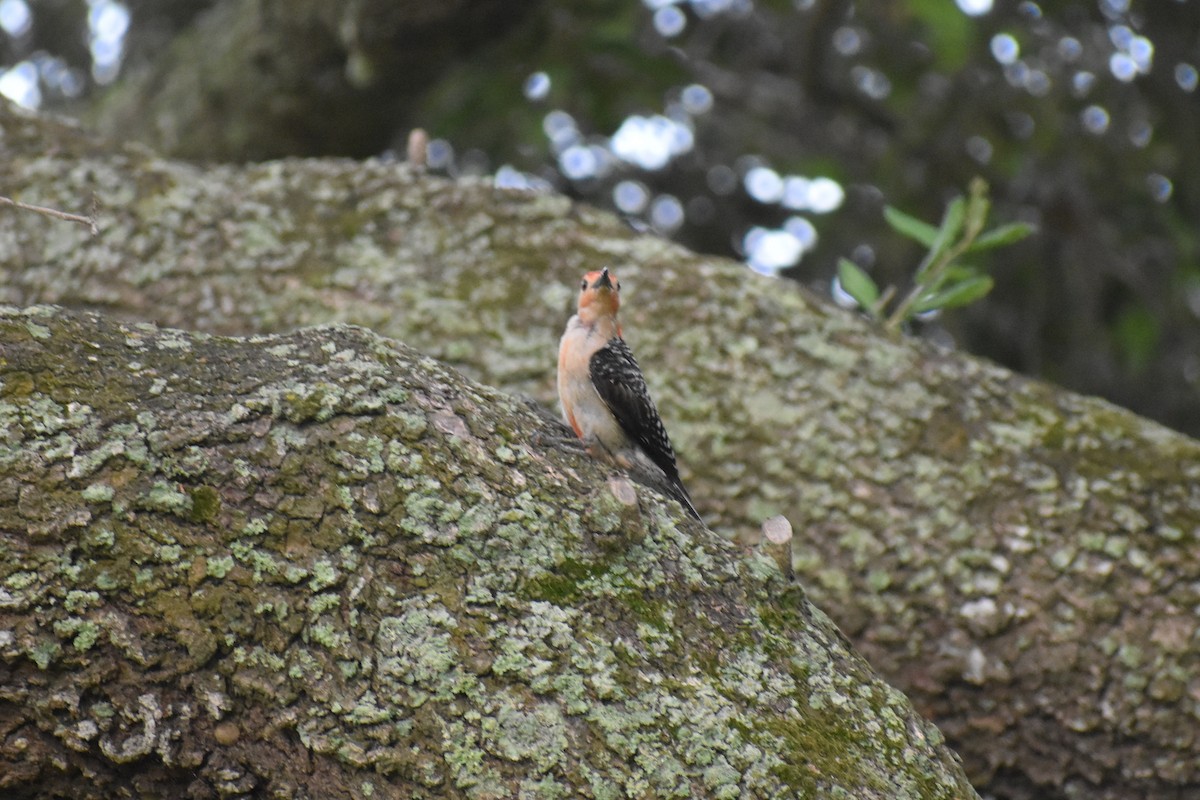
604	395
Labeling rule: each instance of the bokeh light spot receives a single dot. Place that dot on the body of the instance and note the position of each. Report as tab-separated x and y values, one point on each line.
19	83
1005	48
768	251
578	162
630	197
825	195
651	142
1140	133
108	23
1095	119
537	86
1187	77
1069	48
1120	36
847	41
15	18
795	192
1082	82
666	213
560	129
696	99
1114	9
439	154
710	8
1160	187
871	82
509	177
864	256
1030	9
974	8
669	21
1141	50
979	149
1037	83
1123	67
840	295
803	230
764	185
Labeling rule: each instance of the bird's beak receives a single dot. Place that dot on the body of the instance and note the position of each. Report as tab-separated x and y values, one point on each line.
605	281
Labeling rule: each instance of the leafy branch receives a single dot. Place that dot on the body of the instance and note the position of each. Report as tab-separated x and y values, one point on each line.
941	280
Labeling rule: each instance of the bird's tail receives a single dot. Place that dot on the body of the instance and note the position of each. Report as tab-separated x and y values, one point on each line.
681	494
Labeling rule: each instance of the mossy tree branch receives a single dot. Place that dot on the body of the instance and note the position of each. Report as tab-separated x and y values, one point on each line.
323	565
1019	559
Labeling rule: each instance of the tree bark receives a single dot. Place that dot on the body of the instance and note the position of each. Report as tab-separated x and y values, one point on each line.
254	79
1019	559
323	565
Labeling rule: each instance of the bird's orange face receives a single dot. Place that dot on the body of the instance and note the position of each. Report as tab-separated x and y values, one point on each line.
599	294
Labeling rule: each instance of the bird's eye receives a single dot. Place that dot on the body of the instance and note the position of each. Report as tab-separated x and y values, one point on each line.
618	286
583	284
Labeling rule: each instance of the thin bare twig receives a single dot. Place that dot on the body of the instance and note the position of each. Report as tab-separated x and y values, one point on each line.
89	220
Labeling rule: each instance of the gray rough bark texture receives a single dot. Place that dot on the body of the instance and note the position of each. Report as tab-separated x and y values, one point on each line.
1020	560
323	565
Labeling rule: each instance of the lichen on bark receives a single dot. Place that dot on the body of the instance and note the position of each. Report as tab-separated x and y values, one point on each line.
324	565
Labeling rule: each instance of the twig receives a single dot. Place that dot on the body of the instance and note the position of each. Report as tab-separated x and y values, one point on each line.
89	220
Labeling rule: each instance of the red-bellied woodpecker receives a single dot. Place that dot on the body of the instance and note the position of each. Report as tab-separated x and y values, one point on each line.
604	396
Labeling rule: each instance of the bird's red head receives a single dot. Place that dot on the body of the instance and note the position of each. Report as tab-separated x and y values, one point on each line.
599	295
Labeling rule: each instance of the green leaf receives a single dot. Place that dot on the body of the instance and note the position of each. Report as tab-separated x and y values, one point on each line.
952	223
955	273
958	294
998	237
977	206
911	227
857	283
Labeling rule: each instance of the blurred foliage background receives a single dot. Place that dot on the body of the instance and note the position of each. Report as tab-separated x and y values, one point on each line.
773	131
